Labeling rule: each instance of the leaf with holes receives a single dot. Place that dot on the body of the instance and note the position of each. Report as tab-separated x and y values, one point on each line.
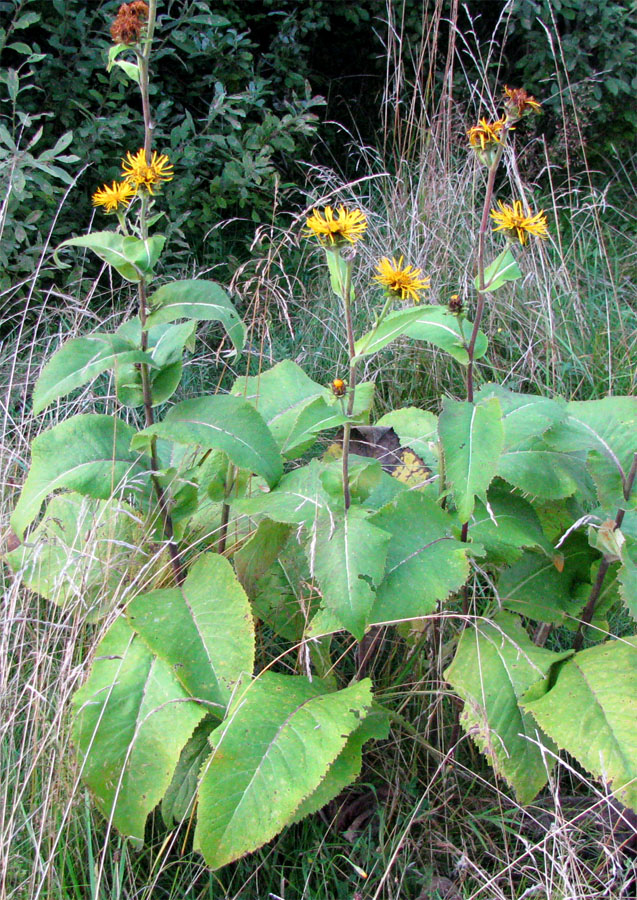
471	435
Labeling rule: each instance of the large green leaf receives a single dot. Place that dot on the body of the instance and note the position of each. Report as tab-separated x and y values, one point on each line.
424	562
392	326
317	416
526	461
541	472
608	428
82	553
471	435
221	422
591	712
495	664
347	556
132	719
203	629
196	299
296	499
433	324
506	526
79	361
165	348
294	407
132	257
347	766
89	454
524	416
437	326
251	789
544	588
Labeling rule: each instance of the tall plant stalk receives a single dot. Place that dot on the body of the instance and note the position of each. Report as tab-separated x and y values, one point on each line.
143	60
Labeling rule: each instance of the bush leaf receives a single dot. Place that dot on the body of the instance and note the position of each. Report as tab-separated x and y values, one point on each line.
221	422
590	712
251	789
89	454
79	361
196	299
424	561
495	665
348	559
203	629
132	719
472	436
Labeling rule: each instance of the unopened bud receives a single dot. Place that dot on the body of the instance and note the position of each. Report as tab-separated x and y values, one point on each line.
339	388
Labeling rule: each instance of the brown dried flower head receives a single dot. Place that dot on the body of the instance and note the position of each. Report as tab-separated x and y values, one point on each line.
455	305
519	103
129	22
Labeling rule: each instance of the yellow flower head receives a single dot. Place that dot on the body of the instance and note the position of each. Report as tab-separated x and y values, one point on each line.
486	134
403	281
140	174
519	103
346	226
515	222
111	198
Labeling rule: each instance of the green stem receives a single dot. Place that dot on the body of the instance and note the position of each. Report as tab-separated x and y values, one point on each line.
225	509
347	429
488	197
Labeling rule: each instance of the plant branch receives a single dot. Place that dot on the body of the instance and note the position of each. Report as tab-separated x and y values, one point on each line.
589	609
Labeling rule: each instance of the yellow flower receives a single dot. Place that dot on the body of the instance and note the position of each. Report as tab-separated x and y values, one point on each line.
346	225
136	170
111	198
404	281
486	133
516	223
519	103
